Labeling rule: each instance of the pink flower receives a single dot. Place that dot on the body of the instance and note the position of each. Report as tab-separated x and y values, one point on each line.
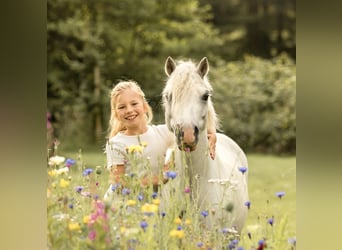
92	235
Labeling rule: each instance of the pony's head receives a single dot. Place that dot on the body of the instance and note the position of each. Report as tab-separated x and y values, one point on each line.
187	101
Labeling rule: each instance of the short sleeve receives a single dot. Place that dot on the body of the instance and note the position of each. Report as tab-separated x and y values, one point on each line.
115	153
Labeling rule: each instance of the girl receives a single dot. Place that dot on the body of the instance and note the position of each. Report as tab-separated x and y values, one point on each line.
131	131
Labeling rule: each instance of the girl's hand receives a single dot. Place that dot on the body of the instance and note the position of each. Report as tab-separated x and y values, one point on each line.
212	144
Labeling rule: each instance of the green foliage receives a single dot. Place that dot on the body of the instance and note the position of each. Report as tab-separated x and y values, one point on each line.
259	97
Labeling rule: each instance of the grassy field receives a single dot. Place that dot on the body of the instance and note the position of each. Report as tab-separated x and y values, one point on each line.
267	176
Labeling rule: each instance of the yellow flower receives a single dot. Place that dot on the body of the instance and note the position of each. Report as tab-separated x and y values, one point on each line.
177	233
187	222
86	219
135	149
149	208
122	229
156	201
74	226
63	183
144	144
131	202
53	172
178	220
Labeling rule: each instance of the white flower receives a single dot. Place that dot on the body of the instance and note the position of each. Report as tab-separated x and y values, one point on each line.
62	170
56	160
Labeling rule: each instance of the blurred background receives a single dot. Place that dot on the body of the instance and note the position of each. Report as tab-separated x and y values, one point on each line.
250	45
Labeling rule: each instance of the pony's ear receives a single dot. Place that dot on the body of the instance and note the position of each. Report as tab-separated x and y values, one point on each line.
203	67
170	66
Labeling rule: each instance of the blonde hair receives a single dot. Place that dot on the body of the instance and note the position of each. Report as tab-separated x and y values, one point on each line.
115	125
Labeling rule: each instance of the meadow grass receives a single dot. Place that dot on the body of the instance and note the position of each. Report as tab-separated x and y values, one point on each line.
78	218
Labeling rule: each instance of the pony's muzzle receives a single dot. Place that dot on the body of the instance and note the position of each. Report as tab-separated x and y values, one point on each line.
187	138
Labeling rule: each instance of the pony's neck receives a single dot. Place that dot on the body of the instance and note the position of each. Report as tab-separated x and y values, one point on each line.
200	156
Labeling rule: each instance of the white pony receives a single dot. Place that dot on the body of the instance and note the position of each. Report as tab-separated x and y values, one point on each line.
218	186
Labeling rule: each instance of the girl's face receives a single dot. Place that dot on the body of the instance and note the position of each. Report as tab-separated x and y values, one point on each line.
130	110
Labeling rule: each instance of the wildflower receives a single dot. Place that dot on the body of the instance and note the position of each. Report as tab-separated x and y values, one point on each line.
87	171
163	214
187	222
262	245
143	225
187	190
156	201
229	231
270	221
177	234
204	213
74	226
86	219
280	194
242	169
79	189
179	227
62	171
240	248
140	197
134	149
200	244
71	206
92	235
248	204
154	195
56	160
178	220
131	202
126	191
171	174
53	172
69	162
292	241
63	183
115	186
149	209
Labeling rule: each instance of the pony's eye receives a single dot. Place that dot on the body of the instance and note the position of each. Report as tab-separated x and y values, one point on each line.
205	97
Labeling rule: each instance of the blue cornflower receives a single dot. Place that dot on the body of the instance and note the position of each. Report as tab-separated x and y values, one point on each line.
240	248
115	186
171	174
270	221
280	194
87	171
71	206
179	227
140	197
70	162
163	214
143	225
200	244
79	189
248	204
126	191
204	213
154	195
243	169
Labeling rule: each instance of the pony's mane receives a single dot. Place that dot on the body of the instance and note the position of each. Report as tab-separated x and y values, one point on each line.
183	80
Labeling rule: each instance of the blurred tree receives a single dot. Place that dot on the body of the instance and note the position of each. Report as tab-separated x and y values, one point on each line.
91	44
264	28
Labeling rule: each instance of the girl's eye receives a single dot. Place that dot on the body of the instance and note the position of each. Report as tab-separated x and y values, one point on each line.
121	107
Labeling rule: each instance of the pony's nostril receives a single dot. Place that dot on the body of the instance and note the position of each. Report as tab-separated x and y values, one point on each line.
196	130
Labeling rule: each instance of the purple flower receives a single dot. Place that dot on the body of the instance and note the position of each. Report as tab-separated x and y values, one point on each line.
115	186
71	206
248	204
163	214
69	162
243	169
179	227
240	248
280	194
270	221
187	190
92	235
126	191
140	197
204	213
79	189
292	241
154	195
143	225
200	244
171	174
87	171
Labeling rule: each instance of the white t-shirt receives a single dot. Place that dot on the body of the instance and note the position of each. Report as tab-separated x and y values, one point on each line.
157	140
